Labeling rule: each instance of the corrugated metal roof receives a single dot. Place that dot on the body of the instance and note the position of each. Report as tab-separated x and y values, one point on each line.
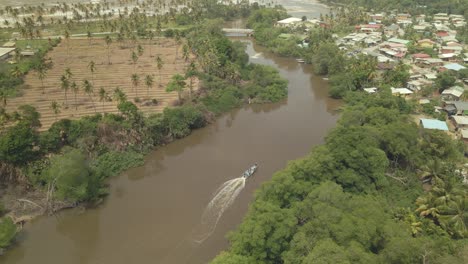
434	124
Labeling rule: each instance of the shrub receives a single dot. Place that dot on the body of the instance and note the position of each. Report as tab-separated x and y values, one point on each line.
7	232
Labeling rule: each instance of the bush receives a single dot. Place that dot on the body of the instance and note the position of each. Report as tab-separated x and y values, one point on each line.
70	174
114	162
7	232
222	101
181	120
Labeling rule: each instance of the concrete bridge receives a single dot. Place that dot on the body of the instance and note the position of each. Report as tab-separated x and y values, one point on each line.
245	31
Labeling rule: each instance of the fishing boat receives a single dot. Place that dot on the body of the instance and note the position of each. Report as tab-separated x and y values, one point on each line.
250	171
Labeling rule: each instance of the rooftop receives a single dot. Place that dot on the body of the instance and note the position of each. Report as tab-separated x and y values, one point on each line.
289	20
461	120
400	41
454	66
4	51
434	124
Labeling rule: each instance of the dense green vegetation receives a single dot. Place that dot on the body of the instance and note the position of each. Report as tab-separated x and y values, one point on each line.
358	198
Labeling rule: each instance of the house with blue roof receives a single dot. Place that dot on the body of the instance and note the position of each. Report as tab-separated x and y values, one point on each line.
454	66
433	124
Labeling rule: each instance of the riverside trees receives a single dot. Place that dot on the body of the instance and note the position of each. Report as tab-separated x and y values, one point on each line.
355	199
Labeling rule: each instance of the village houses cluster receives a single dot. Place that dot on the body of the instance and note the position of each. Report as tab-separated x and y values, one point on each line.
435	49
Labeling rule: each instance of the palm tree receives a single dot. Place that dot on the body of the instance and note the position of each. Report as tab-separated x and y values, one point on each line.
185	52
159	64
140	50
177	40
55	108
190	73
119	95
67	37
134	60
92	69
75	89
151	37
65	85
108	40
90	37
42	73
103	97
135	82
88	89
149	83
177	84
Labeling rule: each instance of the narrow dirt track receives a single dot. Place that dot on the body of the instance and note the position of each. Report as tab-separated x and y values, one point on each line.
77	54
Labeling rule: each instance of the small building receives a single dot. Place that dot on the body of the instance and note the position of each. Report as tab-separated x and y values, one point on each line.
401	91
454	66
433	124
426	43
448	57
464	135
288	22
371	90
399	41
5	53
460	121
456	108
9	44
452	94
424	101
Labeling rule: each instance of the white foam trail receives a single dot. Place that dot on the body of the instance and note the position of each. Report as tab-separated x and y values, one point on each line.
222	199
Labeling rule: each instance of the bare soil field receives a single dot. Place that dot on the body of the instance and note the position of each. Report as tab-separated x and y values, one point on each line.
77	55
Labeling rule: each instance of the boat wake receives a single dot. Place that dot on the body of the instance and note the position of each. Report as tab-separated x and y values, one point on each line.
222	199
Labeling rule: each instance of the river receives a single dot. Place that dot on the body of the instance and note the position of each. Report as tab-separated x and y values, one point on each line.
151	211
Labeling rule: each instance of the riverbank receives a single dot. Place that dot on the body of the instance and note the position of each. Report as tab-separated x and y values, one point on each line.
73	159
359	197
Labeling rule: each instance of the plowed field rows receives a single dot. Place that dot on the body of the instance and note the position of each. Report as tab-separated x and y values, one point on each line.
77	56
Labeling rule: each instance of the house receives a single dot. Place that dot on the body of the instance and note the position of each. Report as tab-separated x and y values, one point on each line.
452	94
448	57
420	56
430	76
9	44
460	121
288	22
371	90
415	85
433	124
452	49
456	108
5	53
399	41
401	91
426	43
391	30
430	62
464	135
454	66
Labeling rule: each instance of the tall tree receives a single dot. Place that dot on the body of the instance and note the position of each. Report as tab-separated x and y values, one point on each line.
103	97
75	89
134	60
65	85
160	65
108	40
149	80
89	90
55	108
135	82
177	84
92	69
190	73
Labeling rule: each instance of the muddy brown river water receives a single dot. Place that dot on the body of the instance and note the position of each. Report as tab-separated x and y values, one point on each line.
152	210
